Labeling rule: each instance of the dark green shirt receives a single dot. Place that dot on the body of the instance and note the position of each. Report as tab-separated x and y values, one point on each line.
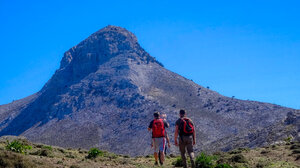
178	123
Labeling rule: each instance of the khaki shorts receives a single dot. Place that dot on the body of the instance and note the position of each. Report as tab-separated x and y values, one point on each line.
159	144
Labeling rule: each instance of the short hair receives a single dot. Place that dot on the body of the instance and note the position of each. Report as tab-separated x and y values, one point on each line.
156	114
182	112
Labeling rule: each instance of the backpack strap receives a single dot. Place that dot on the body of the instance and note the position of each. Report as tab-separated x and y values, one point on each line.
180	128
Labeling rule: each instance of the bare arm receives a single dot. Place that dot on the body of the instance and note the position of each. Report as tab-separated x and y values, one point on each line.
176	135
194	137
168	140
167	137
149	129
168	125
150	126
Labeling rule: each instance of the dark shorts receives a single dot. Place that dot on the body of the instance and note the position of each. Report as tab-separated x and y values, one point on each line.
186	142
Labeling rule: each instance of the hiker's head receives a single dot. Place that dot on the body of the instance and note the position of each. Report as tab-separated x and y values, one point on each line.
156	115
164	116
182	113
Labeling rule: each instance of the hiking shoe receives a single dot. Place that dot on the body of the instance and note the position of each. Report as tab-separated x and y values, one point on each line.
156	163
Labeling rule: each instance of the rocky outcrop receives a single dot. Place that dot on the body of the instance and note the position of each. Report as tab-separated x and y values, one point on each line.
106	90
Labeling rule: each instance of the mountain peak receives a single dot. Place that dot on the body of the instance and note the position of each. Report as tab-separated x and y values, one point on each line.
111	43
115	32
106	43
112	28
102	45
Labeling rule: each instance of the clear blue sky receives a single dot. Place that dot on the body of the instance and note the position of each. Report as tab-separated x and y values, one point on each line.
249	49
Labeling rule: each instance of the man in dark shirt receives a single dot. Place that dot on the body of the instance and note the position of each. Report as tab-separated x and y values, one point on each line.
186	139
158	136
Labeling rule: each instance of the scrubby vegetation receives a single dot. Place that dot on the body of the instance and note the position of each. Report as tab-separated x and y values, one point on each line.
47	147
15	160
177	162
17	153
94	152
17	146
205	161
43	152
223	165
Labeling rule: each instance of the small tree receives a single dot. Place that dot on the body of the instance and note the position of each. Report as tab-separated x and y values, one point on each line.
94	152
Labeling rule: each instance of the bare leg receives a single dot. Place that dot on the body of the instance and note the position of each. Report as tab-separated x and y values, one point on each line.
162	156
156	157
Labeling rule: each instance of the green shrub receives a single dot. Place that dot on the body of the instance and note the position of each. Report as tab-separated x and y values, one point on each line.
47	147
74	166
61	150
70	156
296	146
274	147
126	156
172	155
223	165
239	150
236	151
265	151
261	164
297	157
296	151
17	146
218	153
43	152
204	161
111	155
94	152
59	162
38	145
238	158
178	162
222	160
288	139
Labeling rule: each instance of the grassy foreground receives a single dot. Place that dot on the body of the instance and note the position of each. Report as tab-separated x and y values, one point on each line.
23	154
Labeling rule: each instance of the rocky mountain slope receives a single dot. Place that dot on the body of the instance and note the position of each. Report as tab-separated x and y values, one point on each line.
106	90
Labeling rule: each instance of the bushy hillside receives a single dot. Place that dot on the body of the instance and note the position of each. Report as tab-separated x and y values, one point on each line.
16	152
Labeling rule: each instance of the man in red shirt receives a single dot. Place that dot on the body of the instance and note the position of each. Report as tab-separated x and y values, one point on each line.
158	126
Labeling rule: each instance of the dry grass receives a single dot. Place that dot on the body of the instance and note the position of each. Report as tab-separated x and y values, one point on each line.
280	156
45	157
